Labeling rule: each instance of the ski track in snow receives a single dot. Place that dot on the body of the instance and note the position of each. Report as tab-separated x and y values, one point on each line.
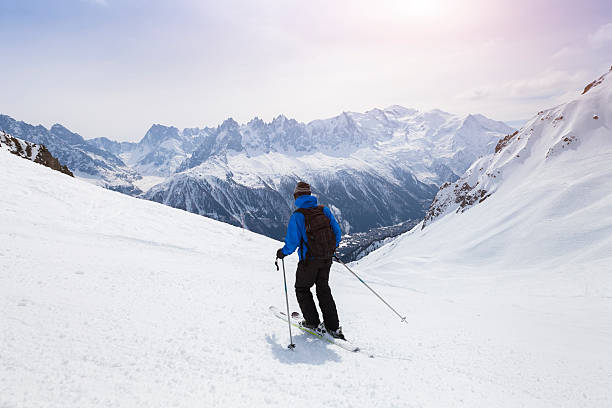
108	300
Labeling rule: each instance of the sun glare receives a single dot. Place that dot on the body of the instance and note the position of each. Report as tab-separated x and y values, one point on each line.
417	8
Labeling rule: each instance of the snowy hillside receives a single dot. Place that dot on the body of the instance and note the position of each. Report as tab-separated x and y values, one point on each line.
108	300
527	231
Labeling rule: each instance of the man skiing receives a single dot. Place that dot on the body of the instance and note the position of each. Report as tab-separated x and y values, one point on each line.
314	231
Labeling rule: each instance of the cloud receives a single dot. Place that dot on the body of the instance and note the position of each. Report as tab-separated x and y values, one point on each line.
476	94
540	85
566	52
549	83
601	37
98	2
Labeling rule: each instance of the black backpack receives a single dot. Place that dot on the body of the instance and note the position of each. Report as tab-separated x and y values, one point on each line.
321	238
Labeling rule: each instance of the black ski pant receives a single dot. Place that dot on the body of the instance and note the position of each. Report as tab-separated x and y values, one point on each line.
316	272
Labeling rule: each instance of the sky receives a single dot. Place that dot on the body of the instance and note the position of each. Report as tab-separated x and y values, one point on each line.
114	67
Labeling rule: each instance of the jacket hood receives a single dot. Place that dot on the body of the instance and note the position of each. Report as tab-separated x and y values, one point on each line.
306	201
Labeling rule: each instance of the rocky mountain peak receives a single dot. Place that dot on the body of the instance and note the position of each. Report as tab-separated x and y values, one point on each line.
256	123
157	134
280	119
596	82
66	135
229	124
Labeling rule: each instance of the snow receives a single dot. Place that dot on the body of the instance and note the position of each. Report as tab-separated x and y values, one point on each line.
532	261
109	300
35	150
146	182
112	300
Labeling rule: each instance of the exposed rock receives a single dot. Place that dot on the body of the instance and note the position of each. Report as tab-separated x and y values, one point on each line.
565	142
594	84
504	142
31	151
452	194
45	158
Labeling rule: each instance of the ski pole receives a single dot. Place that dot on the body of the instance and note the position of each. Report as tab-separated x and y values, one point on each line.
367	286
291	346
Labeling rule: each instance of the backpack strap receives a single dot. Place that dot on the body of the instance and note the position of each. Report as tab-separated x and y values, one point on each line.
302	242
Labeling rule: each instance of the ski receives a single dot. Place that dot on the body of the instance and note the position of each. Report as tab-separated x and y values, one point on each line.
295	322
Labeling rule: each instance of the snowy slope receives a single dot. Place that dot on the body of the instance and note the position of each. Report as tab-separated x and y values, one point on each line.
108	300
537	251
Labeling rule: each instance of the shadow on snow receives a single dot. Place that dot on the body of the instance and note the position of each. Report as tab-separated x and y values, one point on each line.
308	350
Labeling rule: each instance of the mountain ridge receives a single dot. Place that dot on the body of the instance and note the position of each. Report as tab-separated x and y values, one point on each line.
549	133
243	173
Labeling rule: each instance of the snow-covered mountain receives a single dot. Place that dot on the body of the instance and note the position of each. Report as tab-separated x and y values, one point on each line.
437	144
567	139
160	152
86	161
375	169
540	204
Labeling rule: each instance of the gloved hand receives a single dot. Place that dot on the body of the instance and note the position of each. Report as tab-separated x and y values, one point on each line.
279	253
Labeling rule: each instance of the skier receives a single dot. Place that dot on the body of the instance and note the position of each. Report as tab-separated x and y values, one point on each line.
314	230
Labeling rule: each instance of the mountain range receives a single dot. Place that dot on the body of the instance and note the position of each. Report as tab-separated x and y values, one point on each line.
374	169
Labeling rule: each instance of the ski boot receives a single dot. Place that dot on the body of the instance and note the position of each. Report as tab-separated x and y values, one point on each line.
337	334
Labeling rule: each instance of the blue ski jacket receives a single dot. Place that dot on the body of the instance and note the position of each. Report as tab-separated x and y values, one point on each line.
296	231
